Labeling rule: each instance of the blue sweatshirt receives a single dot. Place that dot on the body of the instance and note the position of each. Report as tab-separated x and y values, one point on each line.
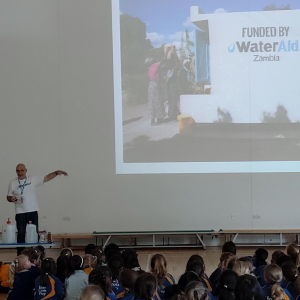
53	291
23	287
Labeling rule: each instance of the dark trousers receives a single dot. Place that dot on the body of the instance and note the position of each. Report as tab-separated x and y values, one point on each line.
22	220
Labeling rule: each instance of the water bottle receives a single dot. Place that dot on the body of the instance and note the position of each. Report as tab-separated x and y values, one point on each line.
31	234
9	233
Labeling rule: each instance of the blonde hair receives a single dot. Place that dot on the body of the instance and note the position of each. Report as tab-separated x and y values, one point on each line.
277	292
159	268
196	290
92	292
273	276
89	261
293	251
241	268
16	266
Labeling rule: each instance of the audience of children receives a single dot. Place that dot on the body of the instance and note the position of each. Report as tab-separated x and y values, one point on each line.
116	275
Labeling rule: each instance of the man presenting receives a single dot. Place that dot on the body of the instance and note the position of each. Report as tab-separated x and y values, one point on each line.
21	191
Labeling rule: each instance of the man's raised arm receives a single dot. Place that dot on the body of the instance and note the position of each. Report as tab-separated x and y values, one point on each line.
52	175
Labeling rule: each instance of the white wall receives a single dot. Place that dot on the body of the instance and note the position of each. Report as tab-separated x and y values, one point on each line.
56	112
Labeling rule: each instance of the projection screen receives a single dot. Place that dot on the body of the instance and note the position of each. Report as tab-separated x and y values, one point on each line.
206	86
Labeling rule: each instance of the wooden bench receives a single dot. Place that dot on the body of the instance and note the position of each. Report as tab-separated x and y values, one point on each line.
232	235
133	235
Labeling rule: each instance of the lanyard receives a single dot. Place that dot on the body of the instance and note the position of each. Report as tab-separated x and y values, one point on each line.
22	186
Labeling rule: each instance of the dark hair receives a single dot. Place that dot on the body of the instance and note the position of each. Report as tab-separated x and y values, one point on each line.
31	253
195	266
244	287
89	248
289	271
283	259
66	251
110	247
276	254
195	258
145	286
64	268
186	278
101	277
179	297
227	284
115	264
47	269
77	262
112	253
41	251
229	247
127	278
130	258
261	255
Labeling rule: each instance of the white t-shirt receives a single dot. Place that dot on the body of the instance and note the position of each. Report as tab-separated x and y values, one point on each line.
27	201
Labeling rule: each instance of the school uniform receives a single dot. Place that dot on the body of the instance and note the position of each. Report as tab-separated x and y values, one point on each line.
214	277
125	296
117	287
172	290
290	286
259	272
75	284
207	283
111	296
23	287
52	291
35	270
267	292
88	270
168	280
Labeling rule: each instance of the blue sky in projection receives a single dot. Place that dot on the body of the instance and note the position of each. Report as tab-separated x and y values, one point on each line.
167	19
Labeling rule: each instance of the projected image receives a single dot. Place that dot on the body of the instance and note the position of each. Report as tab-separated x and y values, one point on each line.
210	81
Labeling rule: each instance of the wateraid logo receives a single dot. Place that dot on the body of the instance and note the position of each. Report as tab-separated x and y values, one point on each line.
231	48
281	46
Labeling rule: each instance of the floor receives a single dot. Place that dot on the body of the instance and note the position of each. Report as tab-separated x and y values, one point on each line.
176	258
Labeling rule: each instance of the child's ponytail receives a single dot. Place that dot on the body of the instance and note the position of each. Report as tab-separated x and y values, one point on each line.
11	272
277	292
47	269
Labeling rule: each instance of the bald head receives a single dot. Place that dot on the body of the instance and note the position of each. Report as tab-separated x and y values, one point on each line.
21	171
